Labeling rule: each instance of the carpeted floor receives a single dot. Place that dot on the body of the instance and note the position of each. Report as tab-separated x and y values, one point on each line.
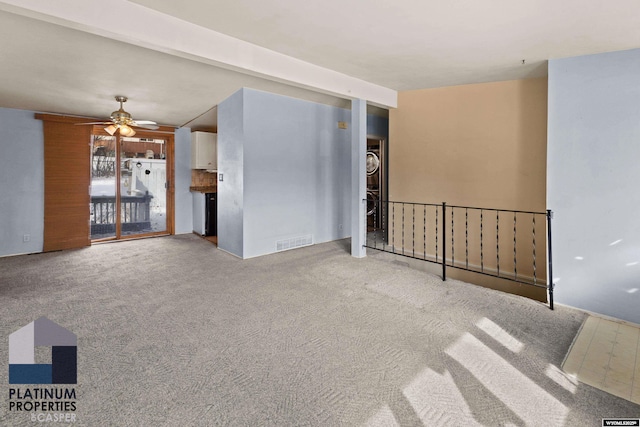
172	331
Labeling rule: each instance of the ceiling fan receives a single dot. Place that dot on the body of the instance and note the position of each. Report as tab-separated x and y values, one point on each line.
122	121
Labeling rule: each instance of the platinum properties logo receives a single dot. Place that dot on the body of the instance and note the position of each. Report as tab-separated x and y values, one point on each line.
44	404
57	404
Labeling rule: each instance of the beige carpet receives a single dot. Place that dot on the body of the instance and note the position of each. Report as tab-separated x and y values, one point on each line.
172	331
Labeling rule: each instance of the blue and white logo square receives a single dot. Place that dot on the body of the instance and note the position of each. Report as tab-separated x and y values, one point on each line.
23	368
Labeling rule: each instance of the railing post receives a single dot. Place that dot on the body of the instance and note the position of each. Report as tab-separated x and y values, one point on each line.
550	285
444	242
375	224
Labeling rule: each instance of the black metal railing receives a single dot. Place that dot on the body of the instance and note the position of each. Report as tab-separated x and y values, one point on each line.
135	212
501	243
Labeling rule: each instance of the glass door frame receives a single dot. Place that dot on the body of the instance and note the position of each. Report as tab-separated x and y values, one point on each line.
166	133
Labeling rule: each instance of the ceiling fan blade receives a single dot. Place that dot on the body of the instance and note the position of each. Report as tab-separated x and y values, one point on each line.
150	127
94	123
143	122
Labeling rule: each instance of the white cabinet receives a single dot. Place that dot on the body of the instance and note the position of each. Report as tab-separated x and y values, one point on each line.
204	153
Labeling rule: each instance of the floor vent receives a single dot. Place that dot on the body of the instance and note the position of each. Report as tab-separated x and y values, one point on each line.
294	242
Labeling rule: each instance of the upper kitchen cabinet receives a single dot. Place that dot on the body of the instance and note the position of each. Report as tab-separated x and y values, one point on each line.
204	151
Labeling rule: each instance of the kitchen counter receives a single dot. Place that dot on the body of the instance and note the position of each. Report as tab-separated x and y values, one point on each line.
204	189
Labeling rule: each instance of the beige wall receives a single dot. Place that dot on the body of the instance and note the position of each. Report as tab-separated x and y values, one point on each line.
482	144
478	145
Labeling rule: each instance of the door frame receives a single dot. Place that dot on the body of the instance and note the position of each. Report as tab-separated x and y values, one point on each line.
166	133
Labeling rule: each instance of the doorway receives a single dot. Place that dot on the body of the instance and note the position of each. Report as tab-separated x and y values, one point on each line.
131	186
376	168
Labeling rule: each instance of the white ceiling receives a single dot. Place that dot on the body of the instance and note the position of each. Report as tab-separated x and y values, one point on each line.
415	44
404	45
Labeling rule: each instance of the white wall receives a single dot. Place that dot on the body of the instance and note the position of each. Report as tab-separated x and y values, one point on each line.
21	182
593	165
183	202
295	168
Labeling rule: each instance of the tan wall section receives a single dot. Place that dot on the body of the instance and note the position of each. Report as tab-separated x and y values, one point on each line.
478	145
481	145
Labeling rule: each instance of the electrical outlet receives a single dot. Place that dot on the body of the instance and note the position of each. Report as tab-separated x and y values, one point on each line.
340	227
26	238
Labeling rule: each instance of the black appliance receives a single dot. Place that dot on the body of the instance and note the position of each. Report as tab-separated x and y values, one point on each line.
211	214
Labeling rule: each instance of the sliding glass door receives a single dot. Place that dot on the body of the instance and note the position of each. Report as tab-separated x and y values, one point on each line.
103	211
129	186
143	181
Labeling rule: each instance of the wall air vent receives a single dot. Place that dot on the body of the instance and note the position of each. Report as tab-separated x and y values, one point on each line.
294	242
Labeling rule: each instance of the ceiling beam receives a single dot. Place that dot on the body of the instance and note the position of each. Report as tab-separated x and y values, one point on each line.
132	23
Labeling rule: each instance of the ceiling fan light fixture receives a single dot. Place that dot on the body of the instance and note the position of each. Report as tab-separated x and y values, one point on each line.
121	120
126	131
111	129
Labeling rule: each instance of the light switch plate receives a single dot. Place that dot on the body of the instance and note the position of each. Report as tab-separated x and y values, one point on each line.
220	177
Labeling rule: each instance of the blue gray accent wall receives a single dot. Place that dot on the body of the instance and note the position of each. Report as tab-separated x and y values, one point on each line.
358	177
21	182
183	203
286	169
593	183
231	174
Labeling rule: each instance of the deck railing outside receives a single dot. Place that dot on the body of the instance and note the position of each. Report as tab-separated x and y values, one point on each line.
135	213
